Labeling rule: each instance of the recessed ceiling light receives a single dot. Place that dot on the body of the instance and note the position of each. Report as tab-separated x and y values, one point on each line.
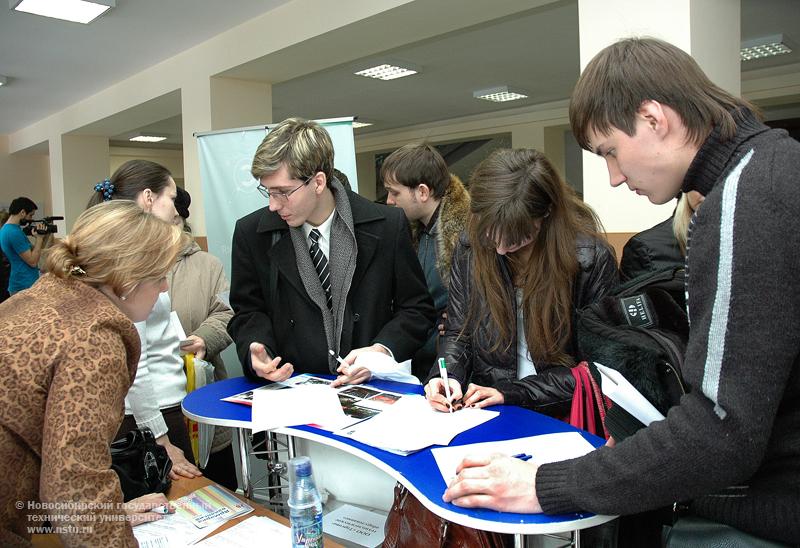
147	138
768	46
500	94
387	72
77	11
3	80
357	124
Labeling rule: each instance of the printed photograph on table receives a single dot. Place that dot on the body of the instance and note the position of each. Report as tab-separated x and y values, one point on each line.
314	380
386	397
359	412
246	398
361	392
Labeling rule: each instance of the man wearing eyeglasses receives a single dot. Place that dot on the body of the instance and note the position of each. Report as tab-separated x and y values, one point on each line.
320	268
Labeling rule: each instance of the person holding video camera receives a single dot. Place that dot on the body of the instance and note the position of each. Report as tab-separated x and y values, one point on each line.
23	256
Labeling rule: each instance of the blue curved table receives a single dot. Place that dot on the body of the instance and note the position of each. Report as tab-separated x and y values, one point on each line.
417	472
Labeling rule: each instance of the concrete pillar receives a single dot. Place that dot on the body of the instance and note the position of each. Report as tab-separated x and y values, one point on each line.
77	163
213	104
26	173
708	29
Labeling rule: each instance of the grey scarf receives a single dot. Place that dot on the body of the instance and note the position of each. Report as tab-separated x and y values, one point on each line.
342	263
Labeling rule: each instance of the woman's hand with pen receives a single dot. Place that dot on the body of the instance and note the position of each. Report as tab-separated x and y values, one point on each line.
435	393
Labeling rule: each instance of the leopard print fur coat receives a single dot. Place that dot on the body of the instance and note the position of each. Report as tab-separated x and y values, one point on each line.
67	359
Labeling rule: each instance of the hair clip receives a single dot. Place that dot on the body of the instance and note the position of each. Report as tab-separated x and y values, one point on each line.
77	271
106	187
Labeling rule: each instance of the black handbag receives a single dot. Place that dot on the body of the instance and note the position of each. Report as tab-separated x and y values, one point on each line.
142	465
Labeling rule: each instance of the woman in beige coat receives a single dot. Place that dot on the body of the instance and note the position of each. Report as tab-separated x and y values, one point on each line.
194	284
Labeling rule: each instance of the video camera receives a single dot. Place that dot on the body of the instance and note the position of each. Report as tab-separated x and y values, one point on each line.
41	226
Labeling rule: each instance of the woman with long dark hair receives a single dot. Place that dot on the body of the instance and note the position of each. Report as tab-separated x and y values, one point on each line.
533	255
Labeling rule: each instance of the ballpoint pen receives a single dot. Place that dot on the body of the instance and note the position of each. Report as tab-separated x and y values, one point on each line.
339	359
443	373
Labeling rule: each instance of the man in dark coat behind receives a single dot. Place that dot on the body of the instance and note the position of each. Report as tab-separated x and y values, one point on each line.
320	268
437	206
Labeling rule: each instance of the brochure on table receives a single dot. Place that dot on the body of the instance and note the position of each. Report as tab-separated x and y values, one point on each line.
196	515
210	505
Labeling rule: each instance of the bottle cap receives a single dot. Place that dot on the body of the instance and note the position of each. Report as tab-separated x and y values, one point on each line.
301	466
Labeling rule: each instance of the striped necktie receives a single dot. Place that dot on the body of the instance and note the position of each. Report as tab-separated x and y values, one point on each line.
321	265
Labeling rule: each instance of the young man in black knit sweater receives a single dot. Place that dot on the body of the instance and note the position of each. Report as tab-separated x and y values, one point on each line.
732	446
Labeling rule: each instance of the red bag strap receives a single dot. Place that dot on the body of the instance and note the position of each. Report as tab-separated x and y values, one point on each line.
586	398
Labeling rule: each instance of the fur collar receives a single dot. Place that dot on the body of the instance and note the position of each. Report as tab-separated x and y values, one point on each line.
453	216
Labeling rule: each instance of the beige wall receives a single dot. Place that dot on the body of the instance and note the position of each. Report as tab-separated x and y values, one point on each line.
24	174
170	159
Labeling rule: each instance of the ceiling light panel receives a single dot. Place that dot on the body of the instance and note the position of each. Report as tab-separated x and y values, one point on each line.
148	138
386	72
357	125
500	94
768	46
3	80
77	11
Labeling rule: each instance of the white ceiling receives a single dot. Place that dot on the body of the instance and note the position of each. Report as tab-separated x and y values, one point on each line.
535	50
52	64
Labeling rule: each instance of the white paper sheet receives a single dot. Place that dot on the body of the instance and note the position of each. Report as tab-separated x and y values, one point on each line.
411	424
254	531
177	531
384	367
621	392
355	525
543	449
301	405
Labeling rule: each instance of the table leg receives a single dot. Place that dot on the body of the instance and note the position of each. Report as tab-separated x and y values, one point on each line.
519	540
244	461
290	447
576	538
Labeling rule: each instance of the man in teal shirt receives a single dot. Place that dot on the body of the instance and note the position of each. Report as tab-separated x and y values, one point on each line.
23	257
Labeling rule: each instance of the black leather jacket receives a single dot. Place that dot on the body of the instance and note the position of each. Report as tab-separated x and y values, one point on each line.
470	358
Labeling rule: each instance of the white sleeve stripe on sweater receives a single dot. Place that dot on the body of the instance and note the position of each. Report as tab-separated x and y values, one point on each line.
722	298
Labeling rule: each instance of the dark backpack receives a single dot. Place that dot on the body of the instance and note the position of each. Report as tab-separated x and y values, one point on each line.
641	330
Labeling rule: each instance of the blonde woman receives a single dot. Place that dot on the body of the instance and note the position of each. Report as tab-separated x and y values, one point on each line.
682	219
68	354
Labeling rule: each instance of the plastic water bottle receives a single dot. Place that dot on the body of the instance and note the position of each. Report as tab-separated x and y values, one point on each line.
305	505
